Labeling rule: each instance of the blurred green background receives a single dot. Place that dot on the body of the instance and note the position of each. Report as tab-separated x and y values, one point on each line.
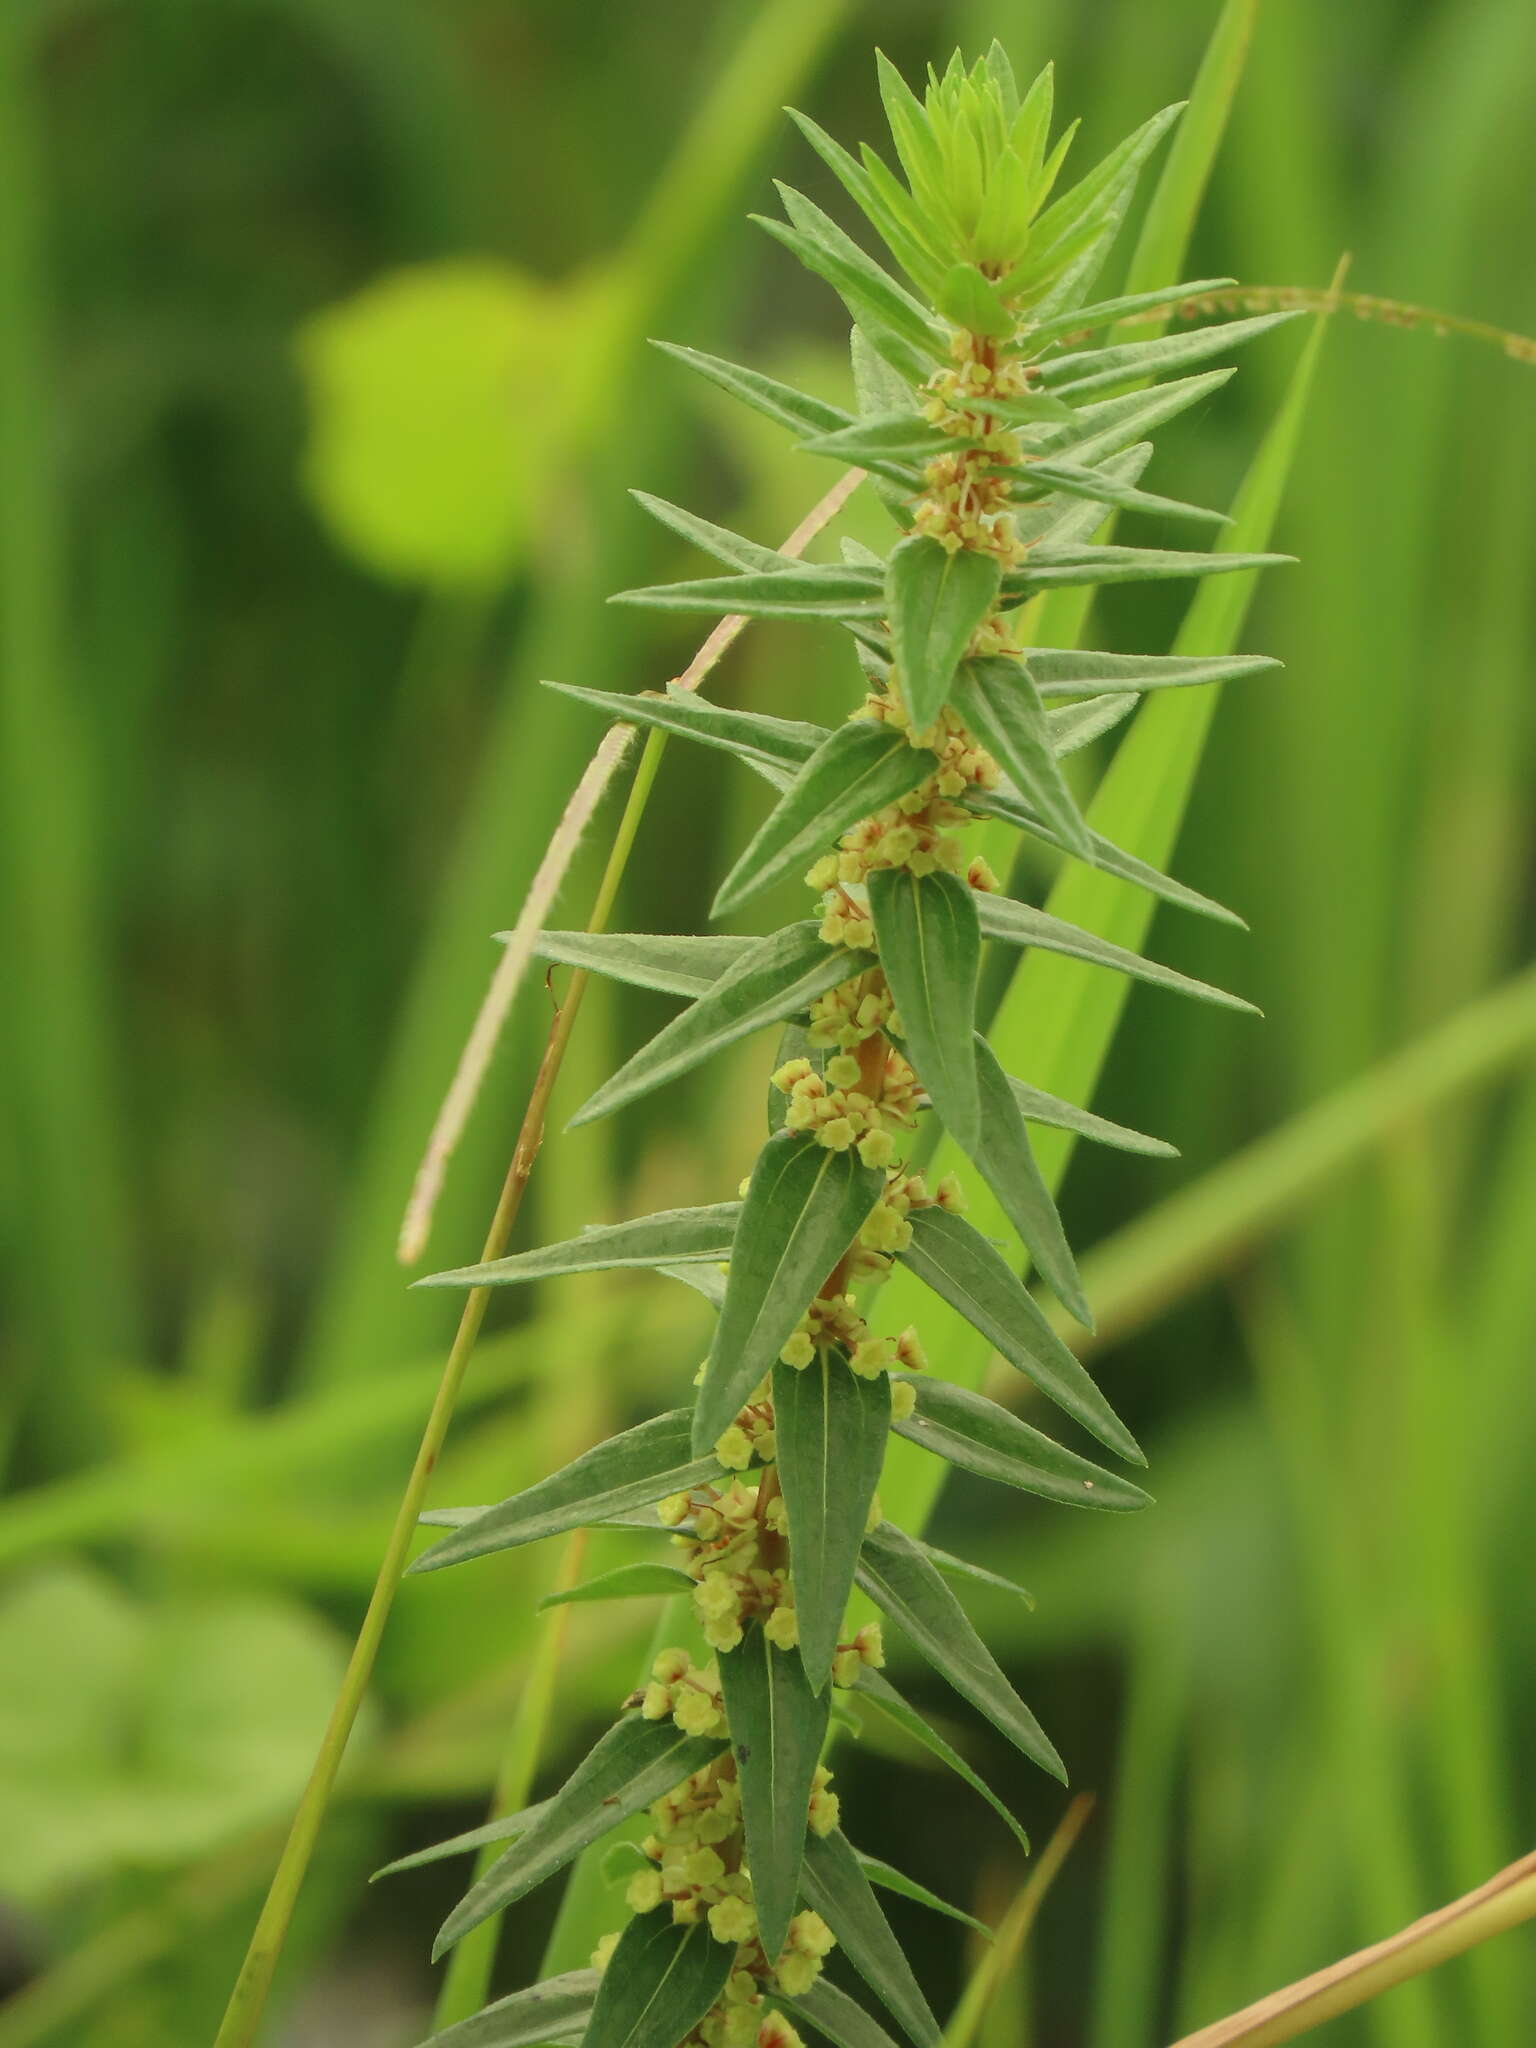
322	372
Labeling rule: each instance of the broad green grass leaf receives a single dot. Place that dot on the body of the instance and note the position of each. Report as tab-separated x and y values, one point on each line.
890	1879
1070	672
1006	1162
998	701
625	1582
659	1983
804	1207
858	769
1091	368
927	932
502	1829
796	410
835	1887
635	1762
830	1429
554	2012
977	1434
872	1686
765	743
806	592
907	1586
1021	924
934	600
1040	1108
780	977
778	1725
631	1470
970	1273
676	963
670	1237
832	2012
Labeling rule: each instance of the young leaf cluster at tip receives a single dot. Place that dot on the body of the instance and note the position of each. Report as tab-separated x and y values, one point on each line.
1000	457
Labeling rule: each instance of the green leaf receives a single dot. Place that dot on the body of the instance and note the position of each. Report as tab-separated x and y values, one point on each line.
794	1045
835	1887
780	977
890	1879
1059	568
1074	481
887	207
907	1586
625	1582
998	701
773	746
670	1237
635	1762
804	1207
1104	314
780	402
631	1470
832	2012
970	301
1006	1162
903	437
978	1435
806	592
970	1273
659	1983
866	306
734	549
858	769
1072	238
1089	369
676	963
962	1568
1111	425
928	936
554	2012
1021	924
1076	725
1071	672
879	1691
1032	409
934	600
1040	1108
778	1725
830	1427
502	1829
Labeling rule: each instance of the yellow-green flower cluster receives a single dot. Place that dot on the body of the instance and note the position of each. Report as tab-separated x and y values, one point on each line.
853	1011
691	1696
965	502
838	1110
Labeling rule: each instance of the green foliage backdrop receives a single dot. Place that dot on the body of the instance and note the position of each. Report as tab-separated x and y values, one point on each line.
274	767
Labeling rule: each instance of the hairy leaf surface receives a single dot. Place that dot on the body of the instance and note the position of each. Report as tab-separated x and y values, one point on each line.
929	940
778	1725
835	1887
934	600
659	1983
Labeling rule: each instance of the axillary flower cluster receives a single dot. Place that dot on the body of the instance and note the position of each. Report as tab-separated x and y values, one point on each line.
979	432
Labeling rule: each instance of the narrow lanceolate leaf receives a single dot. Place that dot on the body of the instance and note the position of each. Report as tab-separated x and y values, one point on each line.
780	977
1111	425
671	1237
1070	672
929	943
762	742
981	1437
870	1685
934	600
555	2012
1107	311
502	1829
906	1586
677	964
835	1887
970	1273
625	1582
1040	1108
631	1470
635	1762
860	768
797	410
804	1208
1090	369
842	2019
1073	481
900	437
659	1983
734	549
1006	1163
830	1430
794	1045
805	592
997	699
890	1879
777	1728
1076	725
962	1568
1061	568
1021	924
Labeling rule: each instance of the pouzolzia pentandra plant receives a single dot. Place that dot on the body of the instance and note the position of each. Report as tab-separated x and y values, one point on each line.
1002	422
